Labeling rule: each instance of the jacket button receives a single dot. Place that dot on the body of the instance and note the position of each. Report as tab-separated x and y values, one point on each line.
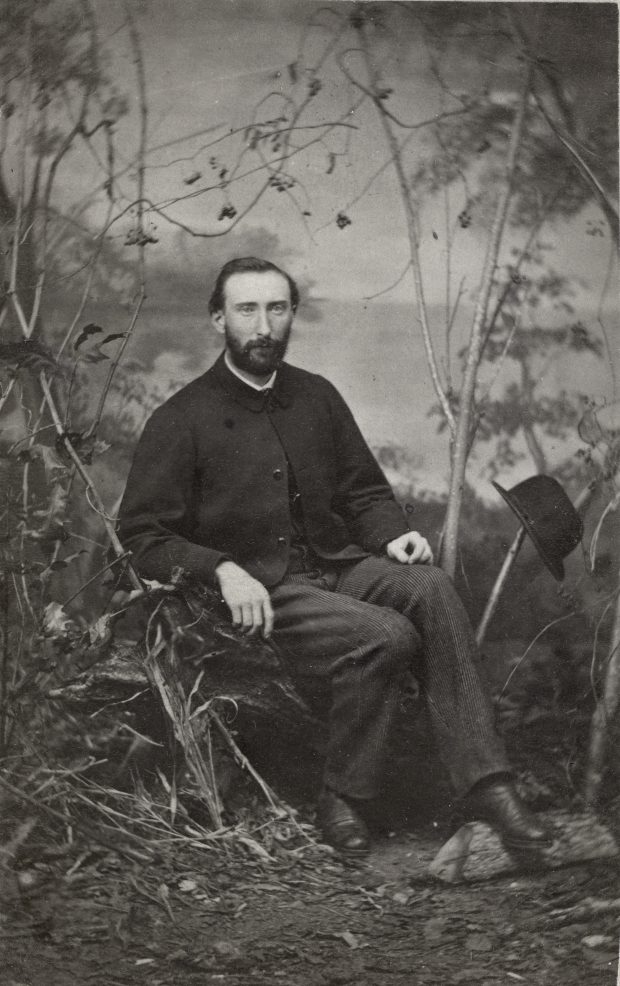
277	474
281	540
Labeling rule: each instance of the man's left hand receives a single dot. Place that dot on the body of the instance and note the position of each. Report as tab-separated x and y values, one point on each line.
410	549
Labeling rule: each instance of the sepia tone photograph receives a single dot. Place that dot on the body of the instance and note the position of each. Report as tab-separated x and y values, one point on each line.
309	493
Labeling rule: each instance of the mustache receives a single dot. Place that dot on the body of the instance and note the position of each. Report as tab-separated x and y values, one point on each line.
262	344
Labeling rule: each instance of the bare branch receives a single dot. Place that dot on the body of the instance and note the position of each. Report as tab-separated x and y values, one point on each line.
21	178
115	363
139	64
390	287
462	440
378	96
523	254
88	483
484	397
411	217
452	313
607	205
604	332
565	137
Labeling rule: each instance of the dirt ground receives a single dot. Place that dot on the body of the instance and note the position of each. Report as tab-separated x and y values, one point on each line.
174	904
303	918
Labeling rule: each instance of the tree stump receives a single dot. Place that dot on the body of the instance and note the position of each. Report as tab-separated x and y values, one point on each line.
280	728
207	666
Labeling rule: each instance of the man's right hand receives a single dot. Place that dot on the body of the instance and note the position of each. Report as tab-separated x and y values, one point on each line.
246	598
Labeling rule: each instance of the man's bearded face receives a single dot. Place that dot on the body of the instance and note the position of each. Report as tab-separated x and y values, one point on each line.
256	321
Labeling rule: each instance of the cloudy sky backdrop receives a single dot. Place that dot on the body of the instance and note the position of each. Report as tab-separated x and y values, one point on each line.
211	68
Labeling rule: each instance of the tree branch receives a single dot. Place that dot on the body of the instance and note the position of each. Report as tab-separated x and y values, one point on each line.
85	477
566	138
462	439
412	230
607	205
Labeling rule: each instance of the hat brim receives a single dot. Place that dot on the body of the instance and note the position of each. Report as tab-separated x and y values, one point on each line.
554	565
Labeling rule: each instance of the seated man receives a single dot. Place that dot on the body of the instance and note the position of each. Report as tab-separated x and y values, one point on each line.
255	479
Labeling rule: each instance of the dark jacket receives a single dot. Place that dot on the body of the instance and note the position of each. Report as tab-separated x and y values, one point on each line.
209	479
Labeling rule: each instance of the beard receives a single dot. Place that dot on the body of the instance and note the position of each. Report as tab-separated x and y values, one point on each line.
260	357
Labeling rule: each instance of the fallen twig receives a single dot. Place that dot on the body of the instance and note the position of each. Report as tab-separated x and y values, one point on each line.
588	908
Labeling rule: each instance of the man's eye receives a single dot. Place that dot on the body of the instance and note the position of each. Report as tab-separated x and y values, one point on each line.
246	309
279	309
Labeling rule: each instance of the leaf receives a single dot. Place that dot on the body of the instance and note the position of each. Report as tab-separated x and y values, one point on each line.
478	943
60	563
351	940
111	338
89	330
136	236
52	463
179	955
226	949
56	622
115	107
164	895
95	353
100	630
100	446
342	220
589	429
154	586
435	928
256	848
597	941
95	356
402	897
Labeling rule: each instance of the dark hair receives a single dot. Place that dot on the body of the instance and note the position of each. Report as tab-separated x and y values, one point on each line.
247	265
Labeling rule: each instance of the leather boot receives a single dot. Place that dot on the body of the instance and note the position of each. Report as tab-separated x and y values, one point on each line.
341	825
498	803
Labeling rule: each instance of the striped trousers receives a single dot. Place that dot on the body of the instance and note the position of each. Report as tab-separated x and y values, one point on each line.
359	631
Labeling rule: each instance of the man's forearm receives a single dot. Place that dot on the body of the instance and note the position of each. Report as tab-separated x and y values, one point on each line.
158	558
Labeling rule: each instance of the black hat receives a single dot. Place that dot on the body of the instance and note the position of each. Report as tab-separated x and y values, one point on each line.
549	518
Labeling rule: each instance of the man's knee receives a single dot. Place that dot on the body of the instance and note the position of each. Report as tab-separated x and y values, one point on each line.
425	582
438	582
399	639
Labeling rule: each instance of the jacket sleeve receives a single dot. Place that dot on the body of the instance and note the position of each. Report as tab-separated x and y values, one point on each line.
156	516
364	498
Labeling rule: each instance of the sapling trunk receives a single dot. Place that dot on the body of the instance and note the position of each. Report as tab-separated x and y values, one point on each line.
604	715
461	447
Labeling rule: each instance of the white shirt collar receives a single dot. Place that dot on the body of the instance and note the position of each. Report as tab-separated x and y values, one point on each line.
255	386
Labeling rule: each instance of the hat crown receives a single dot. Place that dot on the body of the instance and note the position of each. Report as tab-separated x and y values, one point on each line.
548	516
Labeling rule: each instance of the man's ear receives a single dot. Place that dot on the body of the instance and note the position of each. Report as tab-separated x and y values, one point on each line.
218	322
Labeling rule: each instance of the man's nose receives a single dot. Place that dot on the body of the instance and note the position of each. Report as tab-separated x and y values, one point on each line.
263	324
